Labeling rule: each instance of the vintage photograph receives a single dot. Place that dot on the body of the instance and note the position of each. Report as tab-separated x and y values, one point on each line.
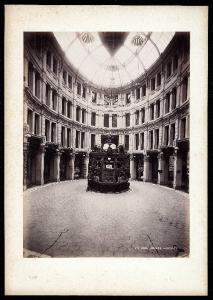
106	144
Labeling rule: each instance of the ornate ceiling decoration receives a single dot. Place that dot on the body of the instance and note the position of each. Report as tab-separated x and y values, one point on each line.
138	40
87	37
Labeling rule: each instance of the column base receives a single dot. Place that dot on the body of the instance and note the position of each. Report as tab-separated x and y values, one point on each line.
177	187
146	180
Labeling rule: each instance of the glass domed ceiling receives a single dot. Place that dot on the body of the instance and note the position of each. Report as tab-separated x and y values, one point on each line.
112	59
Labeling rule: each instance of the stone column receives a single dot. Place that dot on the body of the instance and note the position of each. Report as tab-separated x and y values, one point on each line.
51	97
146	168
132	167
176	129
188	88
177	170
121	139
160	136
140	116
80	115
25	111
57	102
132	119
85	116
70	167
87	140
154	109
44	86
58	134
139	141
86	165
110	121
42	125
33	123
146	140
147	114
153	137
170	101
119	120
123	120
74	111
33	82
25	164
131	137
100	120
57	166
73	137
161	107
89	123
40	165
161	167
65	137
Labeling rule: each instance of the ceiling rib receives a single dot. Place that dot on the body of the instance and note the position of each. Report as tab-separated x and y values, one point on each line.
98	70
124	66
156	47
85	58
137	57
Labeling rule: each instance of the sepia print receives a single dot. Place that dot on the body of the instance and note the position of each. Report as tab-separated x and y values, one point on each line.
106	144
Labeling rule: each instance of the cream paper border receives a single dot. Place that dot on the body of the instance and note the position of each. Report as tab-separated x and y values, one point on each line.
106	276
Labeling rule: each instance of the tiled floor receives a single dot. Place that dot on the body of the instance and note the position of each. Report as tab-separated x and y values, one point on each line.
64	220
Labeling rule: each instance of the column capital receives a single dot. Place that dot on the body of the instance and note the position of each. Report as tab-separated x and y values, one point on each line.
161	155
176	151
131	156
58	152
87	154
72	155
146	157
42	148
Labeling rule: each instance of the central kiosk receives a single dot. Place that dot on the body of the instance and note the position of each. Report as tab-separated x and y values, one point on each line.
109	168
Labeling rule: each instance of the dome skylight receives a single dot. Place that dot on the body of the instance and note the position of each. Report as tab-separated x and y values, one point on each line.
123	56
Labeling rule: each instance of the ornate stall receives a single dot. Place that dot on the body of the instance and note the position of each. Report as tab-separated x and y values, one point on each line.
108	169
